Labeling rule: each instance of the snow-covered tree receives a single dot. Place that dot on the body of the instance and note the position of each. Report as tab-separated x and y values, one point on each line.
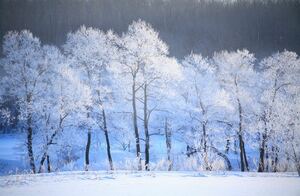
235	72
280	83
204	103
145	66
63	104
91	51
25	65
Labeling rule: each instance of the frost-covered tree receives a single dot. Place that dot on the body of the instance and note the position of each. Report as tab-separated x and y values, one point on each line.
204	103
235	72
62	107
91	51
280	83
145	66
25	65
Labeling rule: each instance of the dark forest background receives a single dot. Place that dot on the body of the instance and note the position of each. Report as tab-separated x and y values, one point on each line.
186	25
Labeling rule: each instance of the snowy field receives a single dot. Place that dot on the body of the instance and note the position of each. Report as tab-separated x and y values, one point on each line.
154	184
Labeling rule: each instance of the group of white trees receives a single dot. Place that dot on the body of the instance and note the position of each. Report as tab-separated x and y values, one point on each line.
221	106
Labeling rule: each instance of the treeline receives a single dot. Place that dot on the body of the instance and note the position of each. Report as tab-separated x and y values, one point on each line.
262	26
130	87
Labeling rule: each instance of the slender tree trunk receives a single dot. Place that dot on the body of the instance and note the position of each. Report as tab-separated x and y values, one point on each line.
107	141
267	158
243	156
135	126
207	167
227	146
48	164
274	158
168	135
146	128
204	139
49	142
29	148
261	166
29	136
87	151
241	153
42	161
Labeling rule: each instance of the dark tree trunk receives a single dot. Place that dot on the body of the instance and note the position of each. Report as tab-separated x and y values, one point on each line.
29	136
261	166
42	161
107	141
147	137
227	146
168	135
135	126
87	151
44	158
267	158
48	164
241	153
29	148
274	158
48	144
243	156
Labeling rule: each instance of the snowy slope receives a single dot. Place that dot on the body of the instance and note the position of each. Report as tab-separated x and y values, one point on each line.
159	183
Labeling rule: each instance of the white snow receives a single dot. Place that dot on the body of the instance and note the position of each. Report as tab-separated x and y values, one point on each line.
154	184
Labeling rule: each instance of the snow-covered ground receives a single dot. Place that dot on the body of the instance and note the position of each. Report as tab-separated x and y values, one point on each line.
154	184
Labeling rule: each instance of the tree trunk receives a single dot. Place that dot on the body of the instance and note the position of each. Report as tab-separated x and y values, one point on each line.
48	164
42	161
168	135
29	148
87	151
44	158
29	136
261	166
50	141
147	137
274	158
267	158
135	126
227	146
207	167
243	156
107	141
228	164
47	145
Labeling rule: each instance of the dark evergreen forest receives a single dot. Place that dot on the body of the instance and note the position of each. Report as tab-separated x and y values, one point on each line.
186	25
